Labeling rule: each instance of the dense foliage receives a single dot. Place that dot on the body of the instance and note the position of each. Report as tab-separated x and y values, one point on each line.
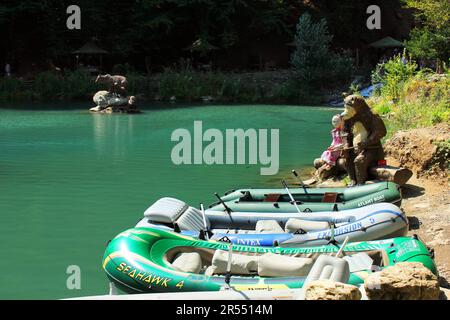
161	29
431	39
393	74
182	82
148	33
411	97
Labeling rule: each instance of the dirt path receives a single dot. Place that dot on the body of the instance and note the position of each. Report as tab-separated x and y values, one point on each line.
426	202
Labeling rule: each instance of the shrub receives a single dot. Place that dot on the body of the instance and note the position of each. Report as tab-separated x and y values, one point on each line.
422	98
393	74
78	84
383	109
137	84
13	88
49	85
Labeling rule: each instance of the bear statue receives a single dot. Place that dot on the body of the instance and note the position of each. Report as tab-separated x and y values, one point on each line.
362	133
117	84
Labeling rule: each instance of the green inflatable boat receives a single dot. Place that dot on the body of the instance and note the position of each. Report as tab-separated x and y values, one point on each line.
150	260
309	199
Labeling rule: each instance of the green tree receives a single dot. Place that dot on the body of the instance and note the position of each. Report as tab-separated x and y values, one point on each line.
431	40
315	65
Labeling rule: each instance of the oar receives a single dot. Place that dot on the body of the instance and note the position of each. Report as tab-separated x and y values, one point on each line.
290	196
228	274
227	209
300	180
204	221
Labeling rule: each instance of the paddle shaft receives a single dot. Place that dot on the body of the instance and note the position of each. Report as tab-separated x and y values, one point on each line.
227	209
342	247
290	196
228	275
204	221
300	180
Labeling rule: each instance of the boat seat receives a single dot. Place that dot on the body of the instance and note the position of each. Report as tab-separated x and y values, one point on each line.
192	219
272	197
240	264
166	210
330	197
268	226
293	225
276	265
359	261
329	268
190	262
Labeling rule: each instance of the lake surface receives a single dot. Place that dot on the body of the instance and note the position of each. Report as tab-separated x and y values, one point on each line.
71	180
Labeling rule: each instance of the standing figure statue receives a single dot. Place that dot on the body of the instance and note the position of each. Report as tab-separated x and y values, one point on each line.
117	84
7	70
362	132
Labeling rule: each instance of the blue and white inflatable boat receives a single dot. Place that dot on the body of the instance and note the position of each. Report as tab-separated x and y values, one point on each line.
292	229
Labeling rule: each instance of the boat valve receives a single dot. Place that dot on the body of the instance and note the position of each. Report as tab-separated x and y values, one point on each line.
431	251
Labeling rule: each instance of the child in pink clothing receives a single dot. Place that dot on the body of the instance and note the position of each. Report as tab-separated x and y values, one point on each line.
334	150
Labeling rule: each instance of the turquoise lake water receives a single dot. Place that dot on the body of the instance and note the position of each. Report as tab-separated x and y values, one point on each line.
71	180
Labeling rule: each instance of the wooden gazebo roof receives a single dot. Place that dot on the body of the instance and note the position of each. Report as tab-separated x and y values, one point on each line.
386	42
90	48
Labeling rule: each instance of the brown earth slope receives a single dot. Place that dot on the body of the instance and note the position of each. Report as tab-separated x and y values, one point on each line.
427	194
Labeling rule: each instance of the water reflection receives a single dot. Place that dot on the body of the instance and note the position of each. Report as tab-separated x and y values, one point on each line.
112	135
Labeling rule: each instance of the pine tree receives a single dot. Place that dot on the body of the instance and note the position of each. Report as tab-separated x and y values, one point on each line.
314	64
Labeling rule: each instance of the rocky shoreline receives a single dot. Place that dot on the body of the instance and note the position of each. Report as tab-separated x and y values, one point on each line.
426	196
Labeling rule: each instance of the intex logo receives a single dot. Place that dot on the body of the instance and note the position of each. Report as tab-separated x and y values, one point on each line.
213	153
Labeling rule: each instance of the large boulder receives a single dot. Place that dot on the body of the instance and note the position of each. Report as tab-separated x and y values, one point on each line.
330	290
105	99
403	281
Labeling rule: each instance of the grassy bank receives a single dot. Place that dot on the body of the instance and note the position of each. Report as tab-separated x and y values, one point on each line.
410	98
185	84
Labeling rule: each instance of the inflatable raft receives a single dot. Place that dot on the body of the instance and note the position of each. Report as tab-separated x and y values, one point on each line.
378	221
143	260
309	199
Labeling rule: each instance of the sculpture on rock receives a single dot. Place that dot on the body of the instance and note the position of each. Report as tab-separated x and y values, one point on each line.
362	133
114	99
